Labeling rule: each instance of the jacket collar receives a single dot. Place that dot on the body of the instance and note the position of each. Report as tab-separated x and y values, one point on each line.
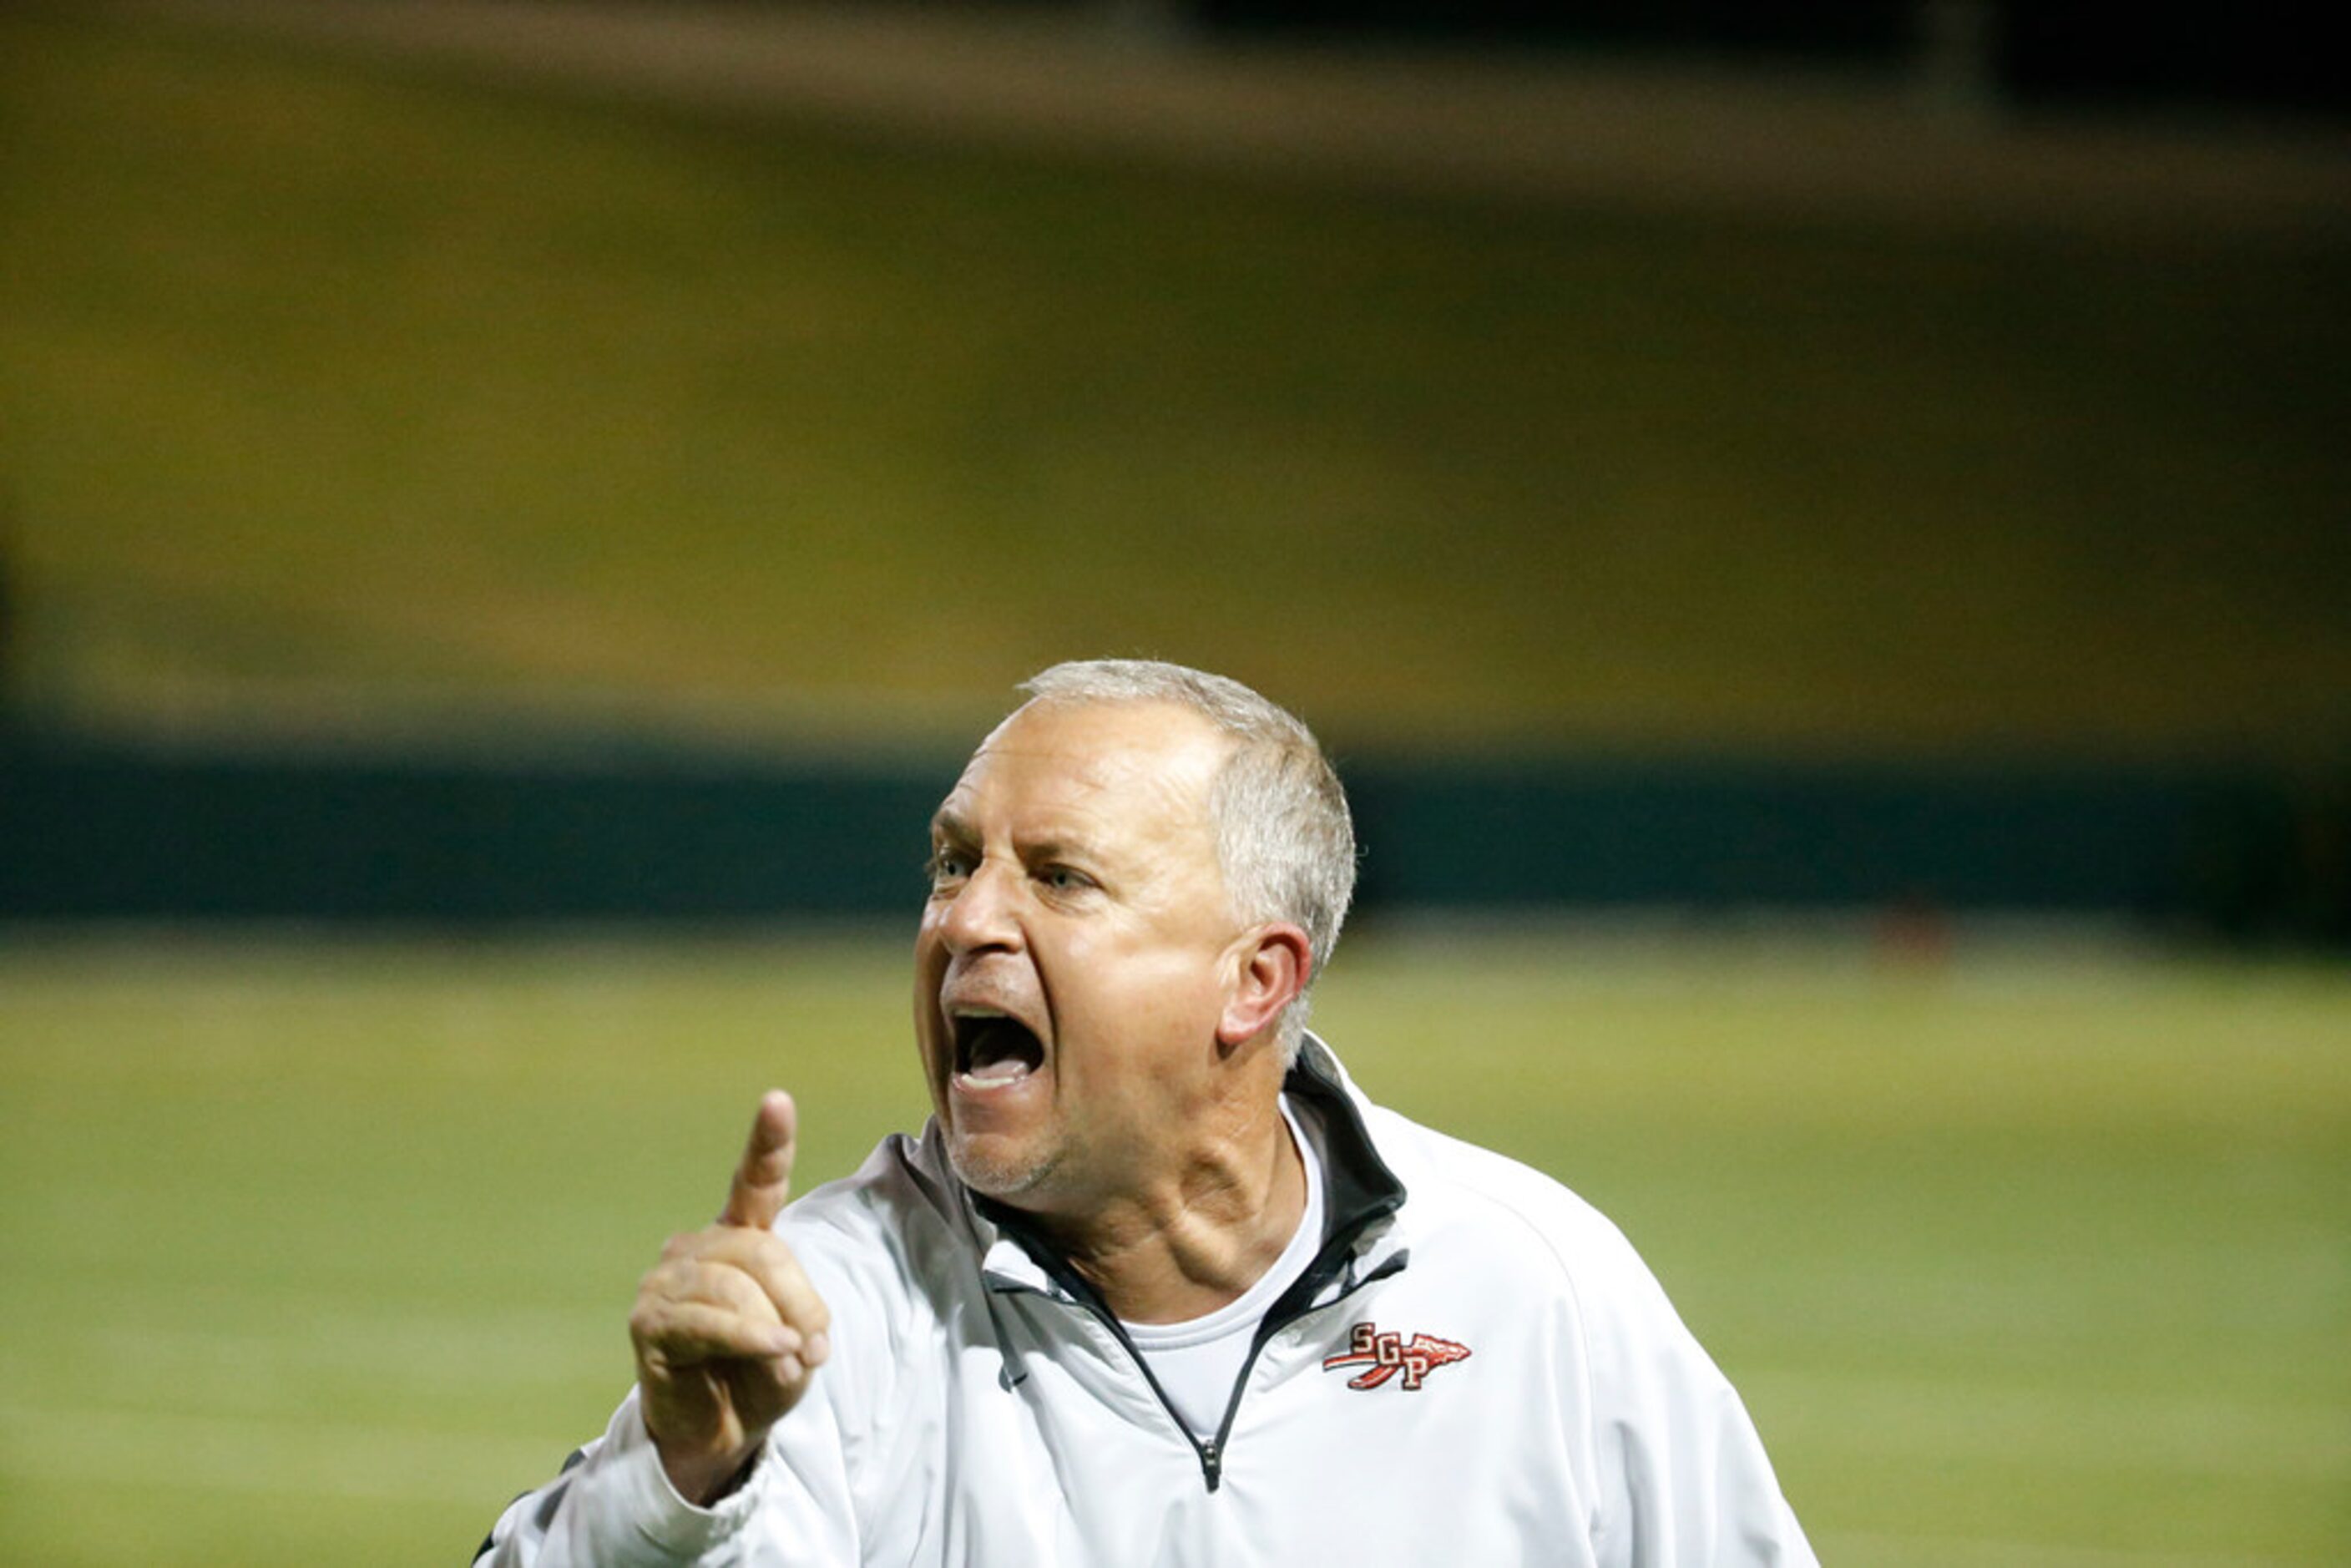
1360	1192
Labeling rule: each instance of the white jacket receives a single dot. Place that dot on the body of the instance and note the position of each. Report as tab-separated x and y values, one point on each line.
1476	1369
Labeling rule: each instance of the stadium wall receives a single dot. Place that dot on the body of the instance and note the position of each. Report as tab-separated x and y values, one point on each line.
97	827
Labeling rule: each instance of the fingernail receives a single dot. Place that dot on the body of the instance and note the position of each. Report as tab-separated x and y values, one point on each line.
791	1370
816	1350
784	1340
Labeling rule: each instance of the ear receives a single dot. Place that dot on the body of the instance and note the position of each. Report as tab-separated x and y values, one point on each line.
1271	964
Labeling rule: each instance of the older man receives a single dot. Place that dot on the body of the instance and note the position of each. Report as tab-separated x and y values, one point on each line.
1157	1284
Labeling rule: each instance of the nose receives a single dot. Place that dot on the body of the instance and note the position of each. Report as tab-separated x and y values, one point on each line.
980	916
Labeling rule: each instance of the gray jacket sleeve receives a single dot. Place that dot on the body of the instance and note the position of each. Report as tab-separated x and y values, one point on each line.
612	1504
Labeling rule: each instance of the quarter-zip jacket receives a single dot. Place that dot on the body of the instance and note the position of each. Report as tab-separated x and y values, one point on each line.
1475	1368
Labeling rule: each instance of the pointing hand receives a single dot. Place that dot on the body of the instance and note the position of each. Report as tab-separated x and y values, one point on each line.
728	1329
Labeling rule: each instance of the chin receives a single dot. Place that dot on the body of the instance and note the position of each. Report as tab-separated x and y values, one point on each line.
996	1167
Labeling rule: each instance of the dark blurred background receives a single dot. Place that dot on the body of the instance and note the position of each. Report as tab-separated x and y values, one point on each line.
503	463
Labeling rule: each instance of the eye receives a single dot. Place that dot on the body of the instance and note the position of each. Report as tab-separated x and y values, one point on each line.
948	864
1065	879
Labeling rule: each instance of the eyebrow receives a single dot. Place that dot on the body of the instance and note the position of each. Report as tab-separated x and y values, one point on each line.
953	827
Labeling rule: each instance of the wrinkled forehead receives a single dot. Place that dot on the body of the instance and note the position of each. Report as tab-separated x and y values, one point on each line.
1125	766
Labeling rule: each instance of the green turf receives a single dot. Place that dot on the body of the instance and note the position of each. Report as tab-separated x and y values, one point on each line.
319	1252
315	371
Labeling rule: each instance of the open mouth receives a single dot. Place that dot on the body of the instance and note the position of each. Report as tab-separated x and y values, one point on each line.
993	1047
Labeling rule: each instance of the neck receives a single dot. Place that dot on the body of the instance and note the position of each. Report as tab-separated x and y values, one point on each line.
1201	1239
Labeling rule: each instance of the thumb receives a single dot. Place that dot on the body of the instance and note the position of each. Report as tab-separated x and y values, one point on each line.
764	1180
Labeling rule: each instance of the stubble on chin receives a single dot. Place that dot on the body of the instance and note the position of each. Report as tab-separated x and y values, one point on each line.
1006	1174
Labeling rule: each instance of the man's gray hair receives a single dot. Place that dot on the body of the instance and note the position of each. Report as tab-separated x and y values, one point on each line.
1284	838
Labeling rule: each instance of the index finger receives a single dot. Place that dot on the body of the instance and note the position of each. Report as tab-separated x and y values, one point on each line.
764	1180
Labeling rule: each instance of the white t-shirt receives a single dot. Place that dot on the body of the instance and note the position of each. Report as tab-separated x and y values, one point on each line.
1197	1362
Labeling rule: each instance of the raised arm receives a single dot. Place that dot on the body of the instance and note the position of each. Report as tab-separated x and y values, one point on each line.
729	1333
728	1329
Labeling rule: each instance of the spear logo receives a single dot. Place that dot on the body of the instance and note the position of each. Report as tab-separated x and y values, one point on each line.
1383	1355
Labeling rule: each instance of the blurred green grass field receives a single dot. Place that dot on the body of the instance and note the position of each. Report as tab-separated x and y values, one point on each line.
320	1250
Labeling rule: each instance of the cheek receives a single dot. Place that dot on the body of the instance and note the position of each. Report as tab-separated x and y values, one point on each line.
930	970
1149	1010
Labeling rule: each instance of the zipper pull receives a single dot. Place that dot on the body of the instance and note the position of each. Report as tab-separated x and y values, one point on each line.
1212	1462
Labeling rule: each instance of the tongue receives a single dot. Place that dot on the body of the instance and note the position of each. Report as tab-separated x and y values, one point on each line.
1002	1050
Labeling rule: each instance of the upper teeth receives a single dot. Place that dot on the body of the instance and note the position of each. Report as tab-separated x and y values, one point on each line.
967	1010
